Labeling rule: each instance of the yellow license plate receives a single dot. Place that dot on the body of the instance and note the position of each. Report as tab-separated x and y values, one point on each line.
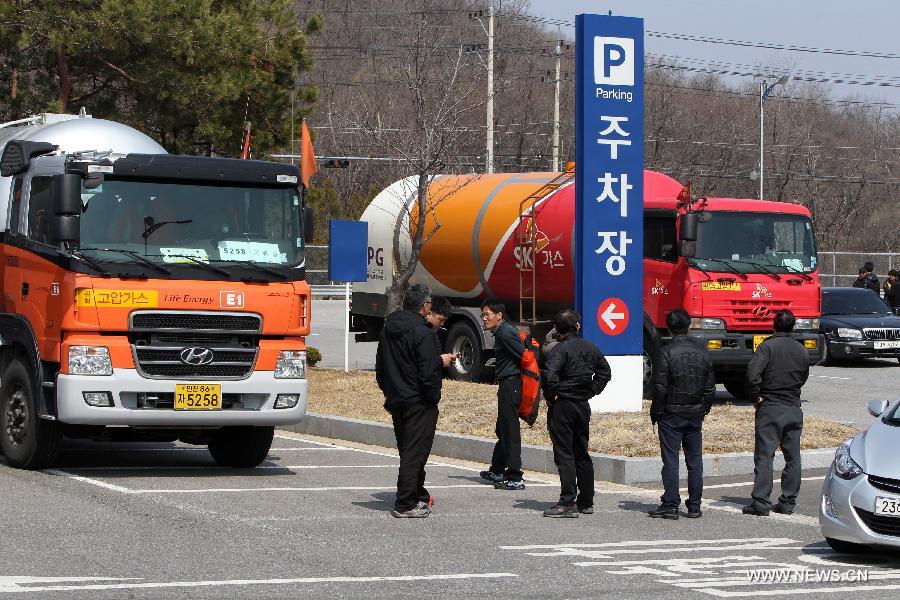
198	396
759	339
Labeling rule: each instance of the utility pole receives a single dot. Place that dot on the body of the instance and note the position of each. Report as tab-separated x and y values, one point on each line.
764	91
554	163
489	157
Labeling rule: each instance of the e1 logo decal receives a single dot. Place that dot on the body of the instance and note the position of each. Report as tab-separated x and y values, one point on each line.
613	61
231	299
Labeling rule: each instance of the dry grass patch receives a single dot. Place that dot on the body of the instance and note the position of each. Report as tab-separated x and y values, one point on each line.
471	409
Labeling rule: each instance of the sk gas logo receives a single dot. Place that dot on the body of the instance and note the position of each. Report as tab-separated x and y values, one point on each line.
613	61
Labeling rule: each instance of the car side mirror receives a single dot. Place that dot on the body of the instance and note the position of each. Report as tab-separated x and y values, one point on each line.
876	407
309	224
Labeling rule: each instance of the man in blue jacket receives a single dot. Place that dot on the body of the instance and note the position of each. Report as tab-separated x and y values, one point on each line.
408	369
506	463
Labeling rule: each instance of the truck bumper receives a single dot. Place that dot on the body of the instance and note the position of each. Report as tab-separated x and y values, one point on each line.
737	348
252	401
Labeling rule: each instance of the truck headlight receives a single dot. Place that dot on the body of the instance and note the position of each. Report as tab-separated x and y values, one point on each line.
807	324
706	323
291	364
850	334
844	466
89	360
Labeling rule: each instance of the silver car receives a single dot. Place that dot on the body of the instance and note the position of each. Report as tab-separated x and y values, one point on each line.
860	505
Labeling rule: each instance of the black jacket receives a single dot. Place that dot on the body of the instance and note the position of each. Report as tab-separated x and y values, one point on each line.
778	370
508	351
684	382
869	282
408	365
575	370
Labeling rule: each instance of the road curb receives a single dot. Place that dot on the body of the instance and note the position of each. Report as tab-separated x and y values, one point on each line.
607	467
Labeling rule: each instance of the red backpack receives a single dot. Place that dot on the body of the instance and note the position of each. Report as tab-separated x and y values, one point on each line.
531	380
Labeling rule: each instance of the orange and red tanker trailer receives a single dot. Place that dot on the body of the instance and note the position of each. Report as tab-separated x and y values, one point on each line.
731	263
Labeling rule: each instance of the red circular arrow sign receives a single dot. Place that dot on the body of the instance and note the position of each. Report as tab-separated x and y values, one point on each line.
612	316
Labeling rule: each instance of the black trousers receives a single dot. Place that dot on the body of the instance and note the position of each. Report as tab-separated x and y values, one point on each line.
777	426
414	427
507	457
675	432
569	424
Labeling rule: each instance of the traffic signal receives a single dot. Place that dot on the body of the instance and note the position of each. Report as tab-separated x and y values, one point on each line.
336	163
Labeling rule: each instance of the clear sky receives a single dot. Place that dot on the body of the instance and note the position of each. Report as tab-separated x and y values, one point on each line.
861	26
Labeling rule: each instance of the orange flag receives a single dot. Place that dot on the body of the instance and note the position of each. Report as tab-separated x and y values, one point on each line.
308	166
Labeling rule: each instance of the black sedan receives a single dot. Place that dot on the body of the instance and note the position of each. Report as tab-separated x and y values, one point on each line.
857	323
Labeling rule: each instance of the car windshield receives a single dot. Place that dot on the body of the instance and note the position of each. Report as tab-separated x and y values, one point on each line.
863	302
180	223
756	242
892	417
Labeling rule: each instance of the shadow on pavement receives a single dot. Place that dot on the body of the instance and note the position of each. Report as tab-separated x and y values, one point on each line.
382	502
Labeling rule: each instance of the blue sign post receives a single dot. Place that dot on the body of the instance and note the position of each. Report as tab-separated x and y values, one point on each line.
609	214
348	247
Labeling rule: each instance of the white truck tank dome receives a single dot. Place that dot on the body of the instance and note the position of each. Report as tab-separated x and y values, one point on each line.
93	134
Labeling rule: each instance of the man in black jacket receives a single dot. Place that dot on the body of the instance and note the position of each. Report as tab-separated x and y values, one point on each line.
505	471
684	389
892	290
408	371
575	372
777	371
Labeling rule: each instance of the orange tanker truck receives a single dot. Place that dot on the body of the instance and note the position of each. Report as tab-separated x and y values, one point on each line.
146	296
731	263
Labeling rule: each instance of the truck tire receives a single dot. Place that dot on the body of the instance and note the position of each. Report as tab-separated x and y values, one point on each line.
27	441
463	339
241	447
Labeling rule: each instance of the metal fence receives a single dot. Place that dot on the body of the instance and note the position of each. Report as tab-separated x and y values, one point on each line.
836	269
839	269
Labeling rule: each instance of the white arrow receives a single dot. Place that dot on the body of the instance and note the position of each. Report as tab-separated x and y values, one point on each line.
609	317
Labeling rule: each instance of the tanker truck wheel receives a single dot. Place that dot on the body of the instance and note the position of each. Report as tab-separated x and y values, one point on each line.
241	447
462	339
27	441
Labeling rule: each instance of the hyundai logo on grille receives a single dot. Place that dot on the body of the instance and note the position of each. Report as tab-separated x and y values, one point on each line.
762	312
196	356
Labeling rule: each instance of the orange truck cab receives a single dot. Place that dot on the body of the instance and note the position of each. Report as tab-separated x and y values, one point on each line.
146	296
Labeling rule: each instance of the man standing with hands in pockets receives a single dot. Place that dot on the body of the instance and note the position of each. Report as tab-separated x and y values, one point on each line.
777	371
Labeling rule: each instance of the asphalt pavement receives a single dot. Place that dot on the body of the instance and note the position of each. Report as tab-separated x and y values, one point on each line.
840	392
163	521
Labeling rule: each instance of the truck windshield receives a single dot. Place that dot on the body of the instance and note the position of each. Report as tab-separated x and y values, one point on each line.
775	242
180	223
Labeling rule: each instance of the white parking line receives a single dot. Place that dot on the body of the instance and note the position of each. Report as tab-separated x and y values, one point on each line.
361	488
832	377
183	449
14	587
97	482
218	468
746	483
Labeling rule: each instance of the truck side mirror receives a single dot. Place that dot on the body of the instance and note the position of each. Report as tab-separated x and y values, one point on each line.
67	194
66	228
688	230
309	224
67	207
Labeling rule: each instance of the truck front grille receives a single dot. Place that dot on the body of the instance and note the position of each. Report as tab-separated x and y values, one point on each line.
881	333
754	314
195	321
165	362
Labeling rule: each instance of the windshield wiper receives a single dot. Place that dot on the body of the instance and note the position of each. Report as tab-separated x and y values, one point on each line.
135	256
258	266
90	262
764	269
798	272
199	263
701	269
728	265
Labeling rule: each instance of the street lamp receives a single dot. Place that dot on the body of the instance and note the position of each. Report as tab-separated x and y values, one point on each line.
764	91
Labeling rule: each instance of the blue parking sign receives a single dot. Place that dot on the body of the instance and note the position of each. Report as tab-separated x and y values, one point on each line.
609	181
